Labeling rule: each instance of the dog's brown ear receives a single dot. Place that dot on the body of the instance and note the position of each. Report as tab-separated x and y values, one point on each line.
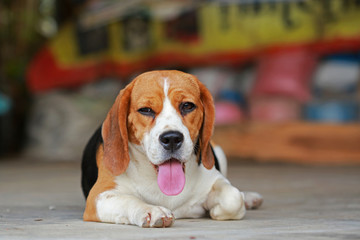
207	128
115	135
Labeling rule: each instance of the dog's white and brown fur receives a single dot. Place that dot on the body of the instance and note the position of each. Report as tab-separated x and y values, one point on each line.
160	117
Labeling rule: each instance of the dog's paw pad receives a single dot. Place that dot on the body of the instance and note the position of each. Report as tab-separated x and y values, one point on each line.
253	200
147	221
167	221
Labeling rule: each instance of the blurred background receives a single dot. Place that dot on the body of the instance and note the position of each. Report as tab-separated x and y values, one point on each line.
284	73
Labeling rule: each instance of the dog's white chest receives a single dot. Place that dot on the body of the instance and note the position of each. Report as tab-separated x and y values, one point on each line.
141	181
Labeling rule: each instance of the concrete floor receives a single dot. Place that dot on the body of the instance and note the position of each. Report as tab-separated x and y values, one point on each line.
43	201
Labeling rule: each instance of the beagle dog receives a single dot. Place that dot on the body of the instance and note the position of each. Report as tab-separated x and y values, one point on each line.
151	160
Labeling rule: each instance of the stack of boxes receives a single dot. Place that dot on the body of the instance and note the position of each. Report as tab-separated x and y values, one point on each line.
282	86
334	91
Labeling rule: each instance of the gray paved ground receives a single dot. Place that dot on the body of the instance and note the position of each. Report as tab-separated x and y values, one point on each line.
44	201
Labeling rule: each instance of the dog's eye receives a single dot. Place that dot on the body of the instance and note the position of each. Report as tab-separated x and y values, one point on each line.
186	107
147	111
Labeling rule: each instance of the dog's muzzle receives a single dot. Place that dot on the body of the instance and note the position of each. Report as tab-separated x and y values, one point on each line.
171	173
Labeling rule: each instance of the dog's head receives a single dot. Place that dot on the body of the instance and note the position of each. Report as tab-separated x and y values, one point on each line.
164	112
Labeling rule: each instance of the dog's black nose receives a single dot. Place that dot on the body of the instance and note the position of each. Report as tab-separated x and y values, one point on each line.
171	140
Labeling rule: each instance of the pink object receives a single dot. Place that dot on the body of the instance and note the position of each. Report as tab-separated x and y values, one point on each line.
171	177
227	113
275	109
285	73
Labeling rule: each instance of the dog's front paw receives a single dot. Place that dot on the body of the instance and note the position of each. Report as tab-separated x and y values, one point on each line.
230	205
157	217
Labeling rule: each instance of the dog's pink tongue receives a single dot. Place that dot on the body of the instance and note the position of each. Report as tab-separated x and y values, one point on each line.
171	177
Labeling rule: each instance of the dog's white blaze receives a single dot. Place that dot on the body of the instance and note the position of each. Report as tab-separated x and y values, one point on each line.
166	87
167	120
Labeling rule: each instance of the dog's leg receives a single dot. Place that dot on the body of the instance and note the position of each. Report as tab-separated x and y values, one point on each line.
225	201
127	209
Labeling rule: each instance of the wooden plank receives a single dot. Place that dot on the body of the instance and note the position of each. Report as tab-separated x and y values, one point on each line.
297	142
